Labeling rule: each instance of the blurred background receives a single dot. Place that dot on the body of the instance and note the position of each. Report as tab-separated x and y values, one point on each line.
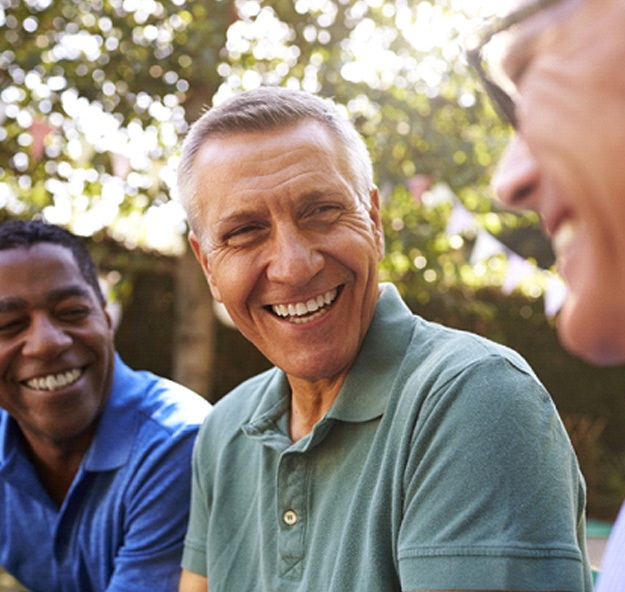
95	96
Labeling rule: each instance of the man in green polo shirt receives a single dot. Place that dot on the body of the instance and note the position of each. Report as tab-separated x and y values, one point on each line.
383	452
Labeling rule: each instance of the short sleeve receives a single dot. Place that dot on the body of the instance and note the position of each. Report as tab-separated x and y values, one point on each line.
493	495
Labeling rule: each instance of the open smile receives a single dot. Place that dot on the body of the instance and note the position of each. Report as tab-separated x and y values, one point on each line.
305	312
53	382
563	236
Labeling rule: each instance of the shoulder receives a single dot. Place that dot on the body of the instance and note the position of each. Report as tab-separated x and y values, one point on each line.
432	352
454	375
446	353
161	402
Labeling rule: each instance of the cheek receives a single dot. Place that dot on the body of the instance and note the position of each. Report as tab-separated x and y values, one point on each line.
232	279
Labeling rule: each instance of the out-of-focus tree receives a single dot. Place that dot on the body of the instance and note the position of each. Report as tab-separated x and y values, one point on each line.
91	105
96	94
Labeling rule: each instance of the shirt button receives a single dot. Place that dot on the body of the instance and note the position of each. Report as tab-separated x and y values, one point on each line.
289	517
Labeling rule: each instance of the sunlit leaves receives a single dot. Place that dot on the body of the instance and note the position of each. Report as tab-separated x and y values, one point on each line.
106	87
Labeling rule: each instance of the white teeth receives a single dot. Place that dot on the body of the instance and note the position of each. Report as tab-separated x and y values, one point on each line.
298	310
52	382
312	305
563	237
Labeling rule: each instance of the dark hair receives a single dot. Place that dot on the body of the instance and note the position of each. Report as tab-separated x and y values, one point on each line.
17	234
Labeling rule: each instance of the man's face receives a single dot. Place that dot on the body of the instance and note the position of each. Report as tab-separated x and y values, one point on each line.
568	160
56	345
288	247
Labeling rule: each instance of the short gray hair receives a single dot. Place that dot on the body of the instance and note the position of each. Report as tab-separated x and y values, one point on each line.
264	109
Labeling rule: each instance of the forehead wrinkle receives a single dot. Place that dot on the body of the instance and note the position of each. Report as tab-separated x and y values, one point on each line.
270	158
242	213
266	191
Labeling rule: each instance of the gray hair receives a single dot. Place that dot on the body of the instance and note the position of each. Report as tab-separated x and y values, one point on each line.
264	109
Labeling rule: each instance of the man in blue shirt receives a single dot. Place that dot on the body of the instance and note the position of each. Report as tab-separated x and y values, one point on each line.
94	456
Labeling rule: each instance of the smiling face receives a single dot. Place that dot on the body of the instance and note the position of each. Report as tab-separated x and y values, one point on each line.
288	246
567	162
56	346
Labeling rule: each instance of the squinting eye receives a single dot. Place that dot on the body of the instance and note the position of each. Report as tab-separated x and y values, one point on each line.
11	326
326	212
243	235
330	208
74	313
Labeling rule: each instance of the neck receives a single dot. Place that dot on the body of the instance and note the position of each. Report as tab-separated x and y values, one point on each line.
310	401
57	463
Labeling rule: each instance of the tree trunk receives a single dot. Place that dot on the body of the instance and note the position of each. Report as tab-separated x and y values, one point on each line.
194	329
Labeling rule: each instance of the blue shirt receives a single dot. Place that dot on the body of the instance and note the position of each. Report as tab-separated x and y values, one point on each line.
122	523
441	465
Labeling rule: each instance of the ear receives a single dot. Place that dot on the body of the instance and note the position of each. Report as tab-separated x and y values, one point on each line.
110	310
112	315
376	220
196	246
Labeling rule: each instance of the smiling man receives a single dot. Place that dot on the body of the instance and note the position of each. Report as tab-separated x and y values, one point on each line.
94	457
561	85
382	452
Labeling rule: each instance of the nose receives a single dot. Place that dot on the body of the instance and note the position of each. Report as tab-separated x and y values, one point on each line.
516	180
294	257
45	339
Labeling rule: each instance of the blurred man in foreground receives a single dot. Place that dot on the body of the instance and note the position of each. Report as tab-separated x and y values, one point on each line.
561	84
95	458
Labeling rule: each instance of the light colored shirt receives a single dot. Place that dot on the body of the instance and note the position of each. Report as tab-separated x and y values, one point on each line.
612	573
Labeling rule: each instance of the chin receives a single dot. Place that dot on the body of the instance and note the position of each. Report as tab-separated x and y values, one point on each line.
589	342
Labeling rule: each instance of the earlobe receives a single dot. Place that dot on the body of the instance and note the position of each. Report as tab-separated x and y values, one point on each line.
196	247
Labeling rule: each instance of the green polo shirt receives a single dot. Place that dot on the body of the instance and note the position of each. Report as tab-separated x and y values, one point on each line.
441	465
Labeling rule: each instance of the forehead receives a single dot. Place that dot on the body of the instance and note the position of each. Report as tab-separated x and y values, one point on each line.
527	18
259	164
524	35
266	151
38	269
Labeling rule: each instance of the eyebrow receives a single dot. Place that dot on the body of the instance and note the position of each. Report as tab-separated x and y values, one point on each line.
252	214
236	218
17	303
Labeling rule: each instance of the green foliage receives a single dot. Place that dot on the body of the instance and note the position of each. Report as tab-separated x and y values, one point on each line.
95	95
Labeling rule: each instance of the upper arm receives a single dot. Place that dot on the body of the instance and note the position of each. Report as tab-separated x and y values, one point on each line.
192	582
492	448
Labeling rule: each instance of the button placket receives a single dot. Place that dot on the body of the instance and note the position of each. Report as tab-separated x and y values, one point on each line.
292	496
